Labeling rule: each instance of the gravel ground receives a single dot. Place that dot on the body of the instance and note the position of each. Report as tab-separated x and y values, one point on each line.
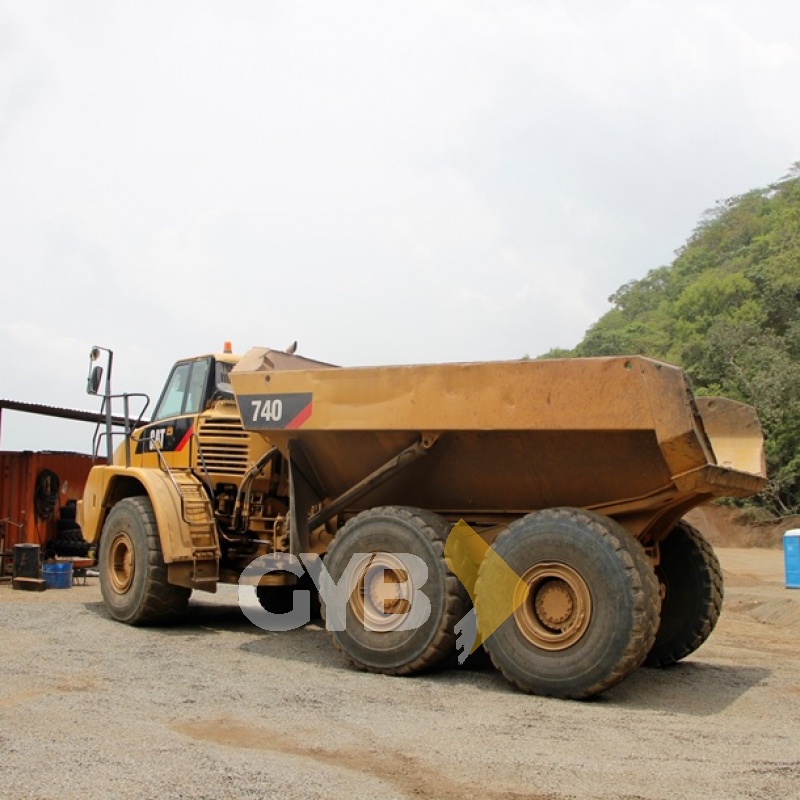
218	708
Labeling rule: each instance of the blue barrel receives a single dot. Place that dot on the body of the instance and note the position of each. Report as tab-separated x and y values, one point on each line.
57	574
791	557
26	560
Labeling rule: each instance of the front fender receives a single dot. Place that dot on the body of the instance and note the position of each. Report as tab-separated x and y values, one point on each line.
107	485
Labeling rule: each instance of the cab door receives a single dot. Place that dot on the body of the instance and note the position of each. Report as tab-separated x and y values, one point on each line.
172	427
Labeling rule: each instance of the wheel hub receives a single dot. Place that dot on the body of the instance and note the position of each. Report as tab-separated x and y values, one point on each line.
381	596
557	607
121	564
554	604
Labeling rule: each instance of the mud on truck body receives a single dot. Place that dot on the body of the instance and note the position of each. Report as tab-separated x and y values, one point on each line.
574	473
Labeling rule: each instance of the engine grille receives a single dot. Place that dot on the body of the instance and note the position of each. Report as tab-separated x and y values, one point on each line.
224	446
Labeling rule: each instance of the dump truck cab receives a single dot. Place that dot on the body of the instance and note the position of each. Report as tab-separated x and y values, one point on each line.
215	495
195	392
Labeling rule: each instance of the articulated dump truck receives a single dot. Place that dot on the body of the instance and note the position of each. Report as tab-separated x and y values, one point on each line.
565	480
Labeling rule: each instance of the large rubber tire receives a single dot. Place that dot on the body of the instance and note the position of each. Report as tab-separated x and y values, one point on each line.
45	494
70	547
397	529
590	607
133	576
692	592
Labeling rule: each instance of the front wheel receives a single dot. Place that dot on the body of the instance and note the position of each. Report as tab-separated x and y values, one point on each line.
585	611
133	576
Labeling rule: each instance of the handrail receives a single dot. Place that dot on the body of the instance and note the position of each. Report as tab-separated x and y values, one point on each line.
128	426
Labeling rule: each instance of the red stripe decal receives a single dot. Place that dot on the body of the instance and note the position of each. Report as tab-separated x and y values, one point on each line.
300	418
183	442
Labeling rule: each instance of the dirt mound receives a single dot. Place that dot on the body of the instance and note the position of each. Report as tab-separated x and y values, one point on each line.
732	527
782	611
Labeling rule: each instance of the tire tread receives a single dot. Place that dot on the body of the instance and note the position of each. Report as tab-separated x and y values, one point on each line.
161	602
457	601
700	555
641	577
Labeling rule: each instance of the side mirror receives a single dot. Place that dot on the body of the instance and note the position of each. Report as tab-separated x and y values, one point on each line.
225	391
93	381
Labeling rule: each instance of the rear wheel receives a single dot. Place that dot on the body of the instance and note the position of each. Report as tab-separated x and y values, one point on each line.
692	591
373	638
133	576
586	607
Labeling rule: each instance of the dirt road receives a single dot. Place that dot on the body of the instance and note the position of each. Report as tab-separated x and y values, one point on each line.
90	708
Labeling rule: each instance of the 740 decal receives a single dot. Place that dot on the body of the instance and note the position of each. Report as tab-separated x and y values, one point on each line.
274	411
270	410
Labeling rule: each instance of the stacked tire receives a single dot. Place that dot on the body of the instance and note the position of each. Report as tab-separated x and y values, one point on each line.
69	539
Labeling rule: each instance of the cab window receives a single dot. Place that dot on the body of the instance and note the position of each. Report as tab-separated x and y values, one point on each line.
185	390
223	373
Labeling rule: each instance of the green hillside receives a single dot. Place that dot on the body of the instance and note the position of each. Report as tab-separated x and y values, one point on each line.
728	311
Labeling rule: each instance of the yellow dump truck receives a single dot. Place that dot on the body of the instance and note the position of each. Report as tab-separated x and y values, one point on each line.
574	476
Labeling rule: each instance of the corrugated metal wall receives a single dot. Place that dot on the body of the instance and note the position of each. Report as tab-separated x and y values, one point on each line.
30	497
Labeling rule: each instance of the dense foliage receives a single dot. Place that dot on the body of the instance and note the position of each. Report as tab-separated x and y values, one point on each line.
728	311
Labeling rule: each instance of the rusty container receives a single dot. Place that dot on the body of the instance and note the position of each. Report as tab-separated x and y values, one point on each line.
33	487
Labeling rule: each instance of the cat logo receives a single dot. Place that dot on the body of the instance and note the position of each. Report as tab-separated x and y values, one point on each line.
156	440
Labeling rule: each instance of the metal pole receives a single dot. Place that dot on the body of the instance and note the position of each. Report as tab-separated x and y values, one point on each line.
107	404
127	431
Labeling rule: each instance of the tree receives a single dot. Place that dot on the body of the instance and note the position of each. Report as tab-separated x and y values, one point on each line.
728	311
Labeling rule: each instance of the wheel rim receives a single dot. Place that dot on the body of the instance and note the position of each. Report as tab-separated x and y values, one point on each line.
380	594
121	564
556	608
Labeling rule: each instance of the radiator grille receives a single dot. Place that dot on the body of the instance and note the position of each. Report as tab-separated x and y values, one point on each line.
224	446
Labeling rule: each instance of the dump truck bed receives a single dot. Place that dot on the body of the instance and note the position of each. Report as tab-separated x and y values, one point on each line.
623	436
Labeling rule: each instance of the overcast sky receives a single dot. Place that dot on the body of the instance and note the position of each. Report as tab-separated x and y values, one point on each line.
386	182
